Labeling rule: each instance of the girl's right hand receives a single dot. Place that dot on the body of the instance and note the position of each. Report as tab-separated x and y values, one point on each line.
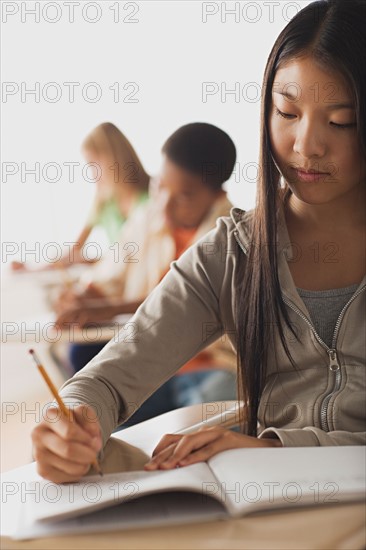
64	448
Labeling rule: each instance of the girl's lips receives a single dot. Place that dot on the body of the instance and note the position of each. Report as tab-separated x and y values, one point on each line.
310	176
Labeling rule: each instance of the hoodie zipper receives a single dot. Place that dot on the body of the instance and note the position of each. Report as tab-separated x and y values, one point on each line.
237	238
334	364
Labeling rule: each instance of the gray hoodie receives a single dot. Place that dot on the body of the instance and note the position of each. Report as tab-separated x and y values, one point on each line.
321	402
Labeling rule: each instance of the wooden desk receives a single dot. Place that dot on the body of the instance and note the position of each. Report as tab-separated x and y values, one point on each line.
325	527
41	329
27	316
328	528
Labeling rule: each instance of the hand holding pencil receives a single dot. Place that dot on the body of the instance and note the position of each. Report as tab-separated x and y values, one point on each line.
66	444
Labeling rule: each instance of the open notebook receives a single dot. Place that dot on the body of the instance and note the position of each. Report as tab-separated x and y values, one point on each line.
231	484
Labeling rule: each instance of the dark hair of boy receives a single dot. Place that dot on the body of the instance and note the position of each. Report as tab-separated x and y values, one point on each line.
202	149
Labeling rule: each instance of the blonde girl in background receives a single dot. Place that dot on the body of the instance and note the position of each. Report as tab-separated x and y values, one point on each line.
121	184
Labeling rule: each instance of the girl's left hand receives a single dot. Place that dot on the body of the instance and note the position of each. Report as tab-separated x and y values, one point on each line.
181	450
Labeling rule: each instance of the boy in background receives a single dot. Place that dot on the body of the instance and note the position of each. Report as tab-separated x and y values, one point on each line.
185	203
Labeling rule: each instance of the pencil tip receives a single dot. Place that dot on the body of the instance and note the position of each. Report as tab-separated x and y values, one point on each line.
31	351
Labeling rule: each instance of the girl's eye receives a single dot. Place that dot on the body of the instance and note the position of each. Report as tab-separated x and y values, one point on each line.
344	126
283	115
340	126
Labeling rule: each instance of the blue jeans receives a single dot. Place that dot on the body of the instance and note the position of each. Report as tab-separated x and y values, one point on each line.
81	354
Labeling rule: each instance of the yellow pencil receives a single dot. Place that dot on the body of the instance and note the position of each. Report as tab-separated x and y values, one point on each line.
67	412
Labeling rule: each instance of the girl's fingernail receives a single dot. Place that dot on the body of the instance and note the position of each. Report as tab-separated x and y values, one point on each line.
167	463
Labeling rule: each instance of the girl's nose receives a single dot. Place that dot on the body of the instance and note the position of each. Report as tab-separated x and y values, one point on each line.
308	140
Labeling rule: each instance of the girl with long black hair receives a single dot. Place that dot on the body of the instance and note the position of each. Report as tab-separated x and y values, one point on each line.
285	282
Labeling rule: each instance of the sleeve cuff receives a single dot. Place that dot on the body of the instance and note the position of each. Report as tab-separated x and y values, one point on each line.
292	437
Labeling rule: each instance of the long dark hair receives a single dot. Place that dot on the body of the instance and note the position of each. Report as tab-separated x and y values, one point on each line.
333	33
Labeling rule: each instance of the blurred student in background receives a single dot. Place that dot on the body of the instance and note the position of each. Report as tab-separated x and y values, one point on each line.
187	200
121	184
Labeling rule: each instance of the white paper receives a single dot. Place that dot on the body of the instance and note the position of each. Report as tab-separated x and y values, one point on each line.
255	479
49	501
149	511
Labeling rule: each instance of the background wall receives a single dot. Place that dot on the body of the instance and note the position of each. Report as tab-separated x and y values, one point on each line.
148	67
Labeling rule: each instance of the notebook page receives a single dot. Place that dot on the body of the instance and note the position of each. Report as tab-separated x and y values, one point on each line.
147	511
265	478
50	501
